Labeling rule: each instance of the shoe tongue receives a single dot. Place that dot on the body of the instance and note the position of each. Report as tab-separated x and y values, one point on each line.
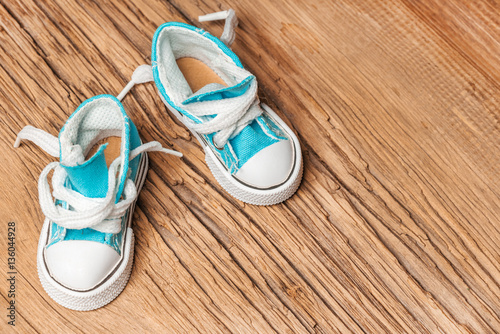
89	178
216	91
210	88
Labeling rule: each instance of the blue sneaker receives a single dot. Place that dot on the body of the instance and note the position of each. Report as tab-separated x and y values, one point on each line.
86	247
251	152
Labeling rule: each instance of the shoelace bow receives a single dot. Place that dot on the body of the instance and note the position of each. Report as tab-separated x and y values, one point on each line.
101	214
231	114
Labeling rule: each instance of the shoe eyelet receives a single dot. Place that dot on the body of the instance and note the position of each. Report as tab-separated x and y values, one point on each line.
217	147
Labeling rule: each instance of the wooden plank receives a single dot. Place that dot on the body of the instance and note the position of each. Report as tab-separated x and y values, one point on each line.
395	227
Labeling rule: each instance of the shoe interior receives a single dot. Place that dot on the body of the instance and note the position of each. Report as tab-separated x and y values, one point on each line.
111	152
95	123
197	73
188	61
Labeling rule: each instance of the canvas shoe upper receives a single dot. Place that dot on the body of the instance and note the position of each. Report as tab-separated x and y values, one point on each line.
86	245
253	154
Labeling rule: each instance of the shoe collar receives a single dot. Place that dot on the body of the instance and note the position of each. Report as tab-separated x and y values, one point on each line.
96	118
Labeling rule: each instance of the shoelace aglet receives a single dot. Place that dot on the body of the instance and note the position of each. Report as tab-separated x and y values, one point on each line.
19	137
17	142
214	16
125	90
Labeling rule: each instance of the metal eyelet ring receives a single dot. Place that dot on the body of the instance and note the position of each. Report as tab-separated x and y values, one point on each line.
217	147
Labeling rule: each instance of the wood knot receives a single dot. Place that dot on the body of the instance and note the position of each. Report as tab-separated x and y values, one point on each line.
293	291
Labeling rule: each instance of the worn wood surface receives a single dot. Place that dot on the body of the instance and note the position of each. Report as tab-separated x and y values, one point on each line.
395	227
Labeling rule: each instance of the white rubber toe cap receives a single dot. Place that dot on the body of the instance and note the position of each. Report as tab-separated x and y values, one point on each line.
80	264
270	167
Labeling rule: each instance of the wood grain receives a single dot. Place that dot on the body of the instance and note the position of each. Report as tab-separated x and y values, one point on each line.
395	228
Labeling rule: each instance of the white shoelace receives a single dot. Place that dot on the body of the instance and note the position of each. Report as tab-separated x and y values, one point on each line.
230	25
101	214
232	114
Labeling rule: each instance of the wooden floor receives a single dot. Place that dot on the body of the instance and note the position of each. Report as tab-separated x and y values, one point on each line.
396	225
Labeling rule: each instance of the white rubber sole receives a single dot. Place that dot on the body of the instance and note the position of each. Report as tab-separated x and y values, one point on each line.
112	286
242	191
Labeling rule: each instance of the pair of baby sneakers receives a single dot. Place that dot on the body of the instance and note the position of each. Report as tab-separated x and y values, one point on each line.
85	251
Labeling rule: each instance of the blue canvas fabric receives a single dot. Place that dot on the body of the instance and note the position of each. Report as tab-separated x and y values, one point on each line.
222	92
154	58
91	180
249	141
256	136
